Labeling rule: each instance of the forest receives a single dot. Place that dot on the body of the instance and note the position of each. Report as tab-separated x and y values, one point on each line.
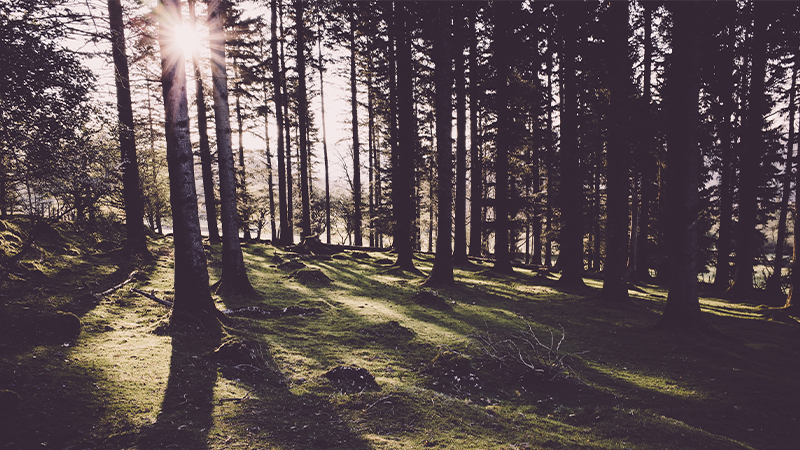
398	224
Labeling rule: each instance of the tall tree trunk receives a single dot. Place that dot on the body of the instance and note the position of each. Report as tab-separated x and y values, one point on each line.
570	258
502	58
476	158
324	144
549	165
357	216
682	311
192	301
460	218
750	161
615	280
302	112
289	239
442	271
392	72
774	282
727	107
277	88
136	243
205	148
234	276
243	200
647	162
403	205
792	301
371	153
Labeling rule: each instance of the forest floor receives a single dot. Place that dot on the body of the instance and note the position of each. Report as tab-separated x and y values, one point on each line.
448	363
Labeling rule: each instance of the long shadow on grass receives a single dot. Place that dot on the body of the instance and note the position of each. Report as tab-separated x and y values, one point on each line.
187	411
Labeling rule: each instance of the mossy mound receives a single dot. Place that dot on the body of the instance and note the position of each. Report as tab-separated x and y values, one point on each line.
61	326
291	265
388	331
431	299
351	379
310	276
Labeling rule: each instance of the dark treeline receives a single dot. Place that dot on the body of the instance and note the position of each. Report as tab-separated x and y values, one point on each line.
644	141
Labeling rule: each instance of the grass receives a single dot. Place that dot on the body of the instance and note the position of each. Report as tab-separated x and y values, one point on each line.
124	384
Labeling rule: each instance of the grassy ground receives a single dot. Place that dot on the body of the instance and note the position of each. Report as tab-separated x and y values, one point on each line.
123	383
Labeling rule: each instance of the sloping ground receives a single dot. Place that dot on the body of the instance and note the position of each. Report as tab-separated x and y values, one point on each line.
443	378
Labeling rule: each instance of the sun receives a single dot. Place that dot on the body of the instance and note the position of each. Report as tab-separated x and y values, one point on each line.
186	39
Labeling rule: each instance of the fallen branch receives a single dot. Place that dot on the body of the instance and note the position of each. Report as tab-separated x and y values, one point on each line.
117	287
152	297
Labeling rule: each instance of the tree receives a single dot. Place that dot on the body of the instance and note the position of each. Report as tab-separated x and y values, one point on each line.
136	242
570	259
682	311
285	235
615	283
205	148
442	272
749	159
354	123
192	301
460	213
476	158
234	275
503	44
403	162
302	113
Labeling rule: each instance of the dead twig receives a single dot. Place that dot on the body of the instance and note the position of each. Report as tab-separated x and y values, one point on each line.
152	297
117	287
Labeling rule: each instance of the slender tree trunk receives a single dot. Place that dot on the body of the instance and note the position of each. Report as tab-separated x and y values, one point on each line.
241	181
615	282
357	216
682	311
302	112
285	237
442	271
205	148
289	238
549	165
503	43
324	144
392	72
647	162
570	258
476	158
727	107
792	301
192	301
750	162
234	275
403	206
460	218
134	209
774	282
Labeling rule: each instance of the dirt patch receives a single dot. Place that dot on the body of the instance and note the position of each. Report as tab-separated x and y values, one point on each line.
351	379
310	276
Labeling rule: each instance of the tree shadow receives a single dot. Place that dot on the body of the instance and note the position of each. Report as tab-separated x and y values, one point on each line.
187	411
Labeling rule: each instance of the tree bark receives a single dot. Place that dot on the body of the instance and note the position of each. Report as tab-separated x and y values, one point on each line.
136	243
460	218
476	158
615	280
403	207
289	238
750	161
570	258
234	274
302	112
357	215
774	282
192	300
502	62
442	272
324	144
205	148
277	96
682	311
